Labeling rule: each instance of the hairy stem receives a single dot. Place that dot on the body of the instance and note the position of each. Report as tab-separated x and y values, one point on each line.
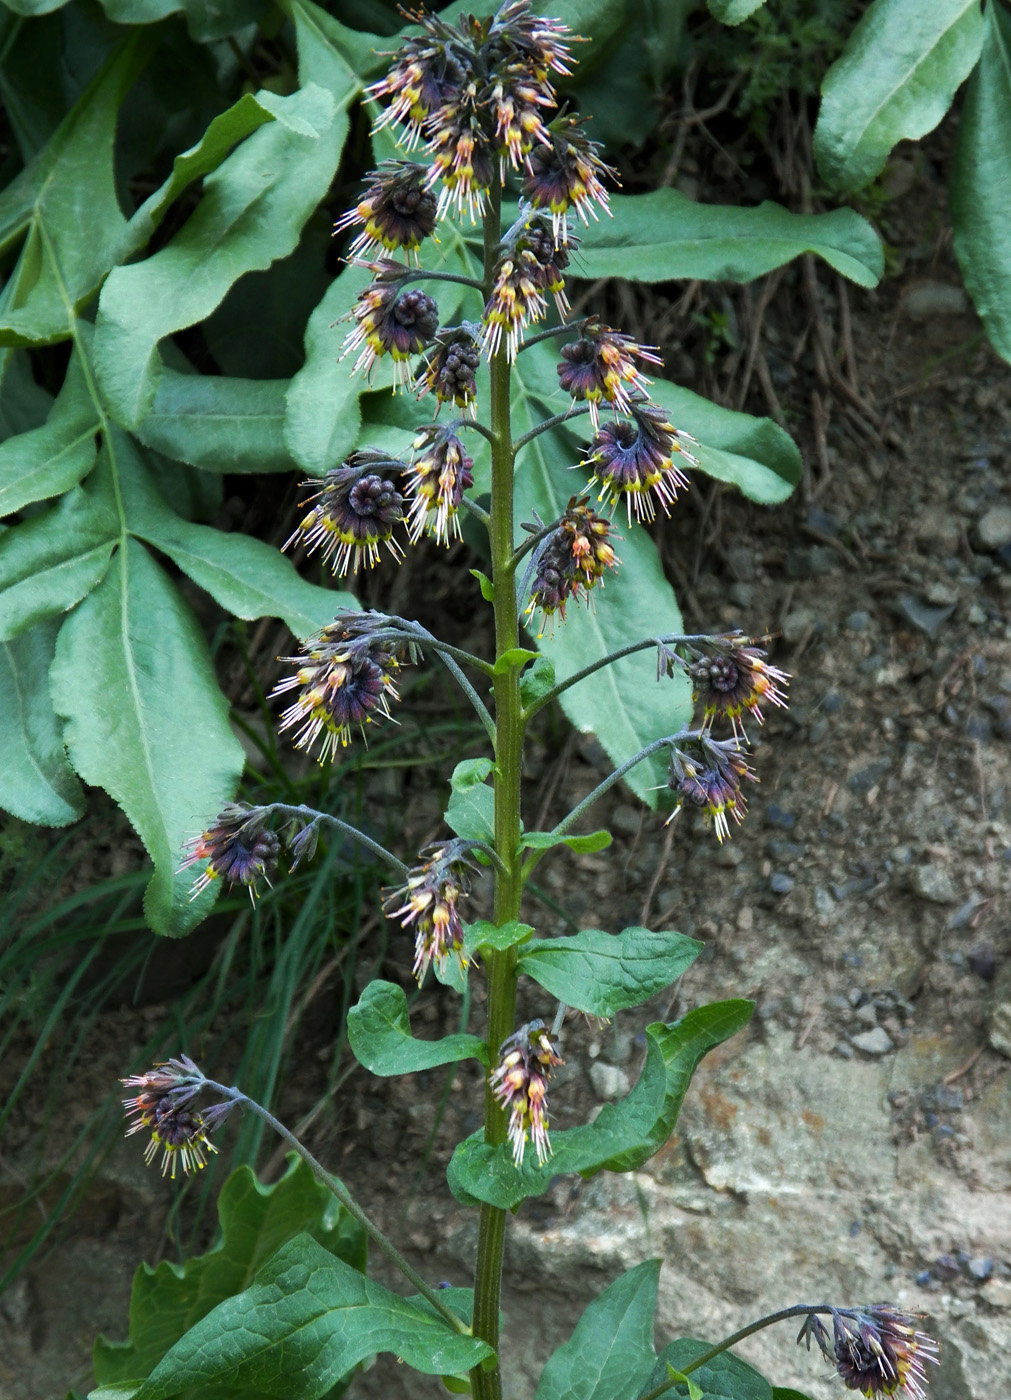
672	639
285	809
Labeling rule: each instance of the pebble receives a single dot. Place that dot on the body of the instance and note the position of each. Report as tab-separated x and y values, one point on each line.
983	961
780	883
998	1293
999	1019
609	1082
776	816
929	299
964	913
796	623
992	530
824	904
858	621
941	594
933	883
868	1014
980	1268
925	616
977	615
873	1042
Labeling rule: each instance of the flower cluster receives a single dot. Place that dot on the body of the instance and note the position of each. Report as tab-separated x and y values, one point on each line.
531	262
390	320
566	173
428	900
450	368
355	511
572	560
397	210
708	773
733	677
877	1351
165	1105
237	847
520	1084
345	677
440	473
600	365
635	456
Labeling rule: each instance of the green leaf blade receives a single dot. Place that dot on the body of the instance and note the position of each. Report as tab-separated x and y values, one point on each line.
610	1354
601	973
218	423
36	782
726	1377
51	459
379	1031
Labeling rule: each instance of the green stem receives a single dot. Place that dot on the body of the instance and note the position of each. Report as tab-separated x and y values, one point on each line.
672	639
509	725
285	809
340	1191
549	423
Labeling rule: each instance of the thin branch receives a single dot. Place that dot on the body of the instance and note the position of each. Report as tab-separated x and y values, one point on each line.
447	655
574	411
419	274
286	809
549	334
673	639
477	427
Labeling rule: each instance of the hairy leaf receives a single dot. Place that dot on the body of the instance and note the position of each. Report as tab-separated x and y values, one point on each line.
726	1377
51	459
604	973
610	1354
482	934
471	809
36	782
379	1030
218	423
895	80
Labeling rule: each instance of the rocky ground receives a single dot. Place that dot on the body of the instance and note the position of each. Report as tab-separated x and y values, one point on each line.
855	1143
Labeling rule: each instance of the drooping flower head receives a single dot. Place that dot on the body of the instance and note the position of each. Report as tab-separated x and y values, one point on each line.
450	369
428	900
531	263
734	677
440	473
877	1351
566	173
345	678
390	321
634	458
356	509
600	365
396	212
462	152
520	1084
571	560
237	847
164	1106
707	774
426	71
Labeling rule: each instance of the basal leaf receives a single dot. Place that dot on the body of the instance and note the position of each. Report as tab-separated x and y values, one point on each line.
896	78
323	416
255	1220
610	1354
146	720
329	53
36	782
306	1320
218	423
734	11
379	1030
51	459
726	1377
981	183
663	236
604	973
250	214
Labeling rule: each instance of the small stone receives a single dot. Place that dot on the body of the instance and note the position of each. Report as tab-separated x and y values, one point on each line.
796	623
977	615
609	1082
983	961
780	883
858	621
925	616
745	918
998	1293
939	530
933	883
980	1269
824	904
999	1018
941	594
992	530
868	1014
776	816
873	1042
927	300
945	1267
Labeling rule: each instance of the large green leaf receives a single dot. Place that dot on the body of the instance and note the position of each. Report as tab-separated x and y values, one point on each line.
471	809
306	1320
323	416
662	236
981	183
623	1136
24	405
146	720
329	53
167	1301
251	213
51	459
894	81
604	973
36	782
379	1030
218	423
734	11
726	1377
610	1354
65	207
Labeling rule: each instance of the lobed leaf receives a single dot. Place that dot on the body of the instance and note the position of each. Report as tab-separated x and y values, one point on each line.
379	1031
610	1354
36	782
603	973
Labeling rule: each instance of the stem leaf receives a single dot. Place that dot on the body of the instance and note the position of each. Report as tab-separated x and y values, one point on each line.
610	1354
482	934
586	844
726	1377
602	973
471	809
379	1030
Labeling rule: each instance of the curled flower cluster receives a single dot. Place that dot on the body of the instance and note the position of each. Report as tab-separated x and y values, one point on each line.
440	473
877	1351
572	559
397	211
345	677
355	511
733	677
390	321
600	365
237	848
531	263
707	773
428	900
520	1084
634	457
164	1106
450	370
566	173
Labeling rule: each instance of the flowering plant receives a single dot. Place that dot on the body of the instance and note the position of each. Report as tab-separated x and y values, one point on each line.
479	98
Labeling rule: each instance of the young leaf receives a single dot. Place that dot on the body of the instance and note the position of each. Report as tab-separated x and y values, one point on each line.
726	1377
513	660
610	1354
662	236
379	1030
218	423
36	782
471	809
250	214
306	1320
146	720
51	459
482	934
537	681
587	843
255	1220
623	1136
603	973
895	80
980	185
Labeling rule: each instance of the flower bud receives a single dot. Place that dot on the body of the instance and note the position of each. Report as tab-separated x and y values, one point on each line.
520	1083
